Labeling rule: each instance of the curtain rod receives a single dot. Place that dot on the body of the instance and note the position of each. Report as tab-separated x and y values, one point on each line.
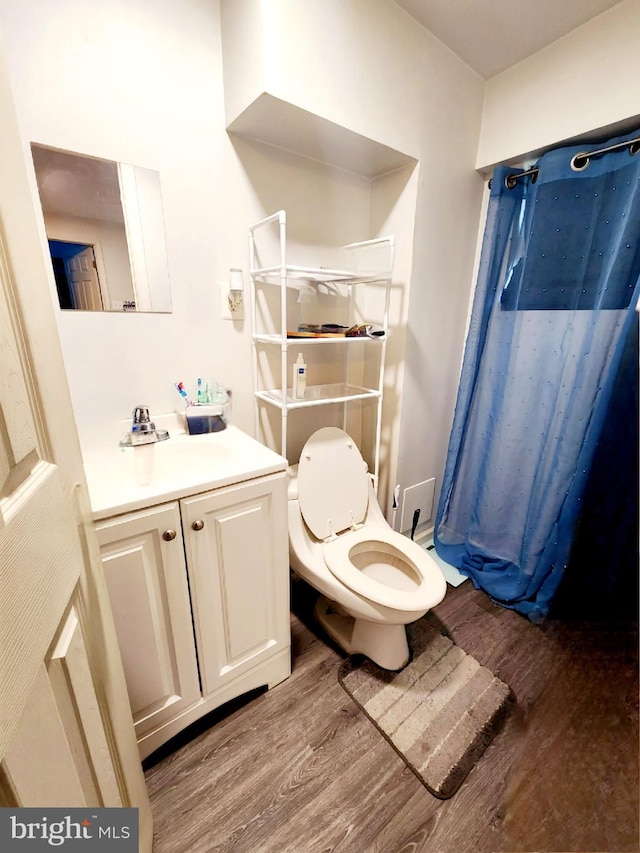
579	161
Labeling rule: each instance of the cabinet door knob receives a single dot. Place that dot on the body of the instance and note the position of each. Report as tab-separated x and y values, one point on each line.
197	525
169	535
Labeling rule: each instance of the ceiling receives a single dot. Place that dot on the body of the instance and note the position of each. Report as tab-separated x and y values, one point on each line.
72	185
492	35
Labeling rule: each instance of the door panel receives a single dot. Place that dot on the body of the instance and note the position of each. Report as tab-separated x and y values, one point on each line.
18	442
147	580
72	683
40	732
40	564
238	572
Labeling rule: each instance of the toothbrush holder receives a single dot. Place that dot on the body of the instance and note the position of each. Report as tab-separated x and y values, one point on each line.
206	417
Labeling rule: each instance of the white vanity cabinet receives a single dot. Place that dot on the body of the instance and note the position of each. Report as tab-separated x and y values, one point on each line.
199	583
144	566
235	557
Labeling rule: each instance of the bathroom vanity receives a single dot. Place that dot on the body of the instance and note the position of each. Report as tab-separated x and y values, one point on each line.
196	565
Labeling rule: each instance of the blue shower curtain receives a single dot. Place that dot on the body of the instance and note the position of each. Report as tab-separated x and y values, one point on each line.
556	293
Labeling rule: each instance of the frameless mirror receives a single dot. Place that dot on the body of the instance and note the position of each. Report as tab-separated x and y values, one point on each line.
105	230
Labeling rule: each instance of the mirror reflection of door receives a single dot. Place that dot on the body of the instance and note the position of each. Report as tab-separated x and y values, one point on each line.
76	274
117	209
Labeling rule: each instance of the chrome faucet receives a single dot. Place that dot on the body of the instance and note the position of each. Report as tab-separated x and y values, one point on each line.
143	430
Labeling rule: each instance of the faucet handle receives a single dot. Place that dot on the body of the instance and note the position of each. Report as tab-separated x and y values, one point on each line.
143	430
141	415
141	420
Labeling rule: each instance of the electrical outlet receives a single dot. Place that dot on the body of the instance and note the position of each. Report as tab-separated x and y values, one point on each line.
225	309
419	496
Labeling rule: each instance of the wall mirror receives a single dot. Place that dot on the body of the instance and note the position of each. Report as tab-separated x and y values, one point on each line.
105	229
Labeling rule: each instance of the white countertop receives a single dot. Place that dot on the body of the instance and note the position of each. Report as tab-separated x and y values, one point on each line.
181	466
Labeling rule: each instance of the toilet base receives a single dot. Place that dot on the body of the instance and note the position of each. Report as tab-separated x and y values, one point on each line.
382	643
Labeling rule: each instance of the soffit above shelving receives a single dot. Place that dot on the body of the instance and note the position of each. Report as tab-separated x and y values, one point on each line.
276	122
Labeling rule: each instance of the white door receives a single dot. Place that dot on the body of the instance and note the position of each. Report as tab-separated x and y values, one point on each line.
66	735
82	275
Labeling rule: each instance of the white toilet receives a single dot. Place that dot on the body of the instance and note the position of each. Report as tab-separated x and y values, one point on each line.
373	580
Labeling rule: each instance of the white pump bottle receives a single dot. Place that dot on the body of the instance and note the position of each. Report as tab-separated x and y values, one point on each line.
299	388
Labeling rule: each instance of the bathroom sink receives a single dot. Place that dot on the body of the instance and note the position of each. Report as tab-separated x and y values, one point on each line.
166	464
126	478
201	452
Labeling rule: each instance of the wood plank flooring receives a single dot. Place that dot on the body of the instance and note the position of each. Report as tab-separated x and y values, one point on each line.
299	769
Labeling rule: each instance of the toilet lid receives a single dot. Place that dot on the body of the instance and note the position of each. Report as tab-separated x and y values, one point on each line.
333	484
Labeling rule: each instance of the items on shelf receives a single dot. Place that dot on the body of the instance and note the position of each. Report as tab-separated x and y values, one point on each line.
333	330
299	386
365	330
347	372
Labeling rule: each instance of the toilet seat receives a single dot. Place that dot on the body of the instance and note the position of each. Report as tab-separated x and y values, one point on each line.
333	495
338	561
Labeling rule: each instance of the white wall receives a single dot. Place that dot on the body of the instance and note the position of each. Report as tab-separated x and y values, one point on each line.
151	95
326	208
141	81
357	63
586	81
366	66
243	50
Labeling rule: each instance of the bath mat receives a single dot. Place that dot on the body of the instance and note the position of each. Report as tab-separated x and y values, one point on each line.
451	574
439	713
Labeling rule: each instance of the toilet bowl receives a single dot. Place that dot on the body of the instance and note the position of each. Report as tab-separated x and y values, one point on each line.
373	581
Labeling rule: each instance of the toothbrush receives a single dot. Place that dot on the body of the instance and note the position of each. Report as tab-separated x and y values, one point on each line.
199	393
180	389
184	393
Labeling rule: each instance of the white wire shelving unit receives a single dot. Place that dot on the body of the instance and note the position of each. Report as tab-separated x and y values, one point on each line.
368	262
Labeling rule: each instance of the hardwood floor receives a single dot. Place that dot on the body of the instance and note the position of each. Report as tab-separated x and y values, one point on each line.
299	769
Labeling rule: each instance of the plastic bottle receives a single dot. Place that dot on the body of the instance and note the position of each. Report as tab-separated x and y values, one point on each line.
307	306
299	378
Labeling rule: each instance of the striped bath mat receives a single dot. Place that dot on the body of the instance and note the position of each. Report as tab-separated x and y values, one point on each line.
439	713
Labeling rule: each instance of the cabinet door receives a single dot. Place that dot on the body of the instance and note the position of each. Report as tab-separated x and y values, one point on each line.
237	557
147	580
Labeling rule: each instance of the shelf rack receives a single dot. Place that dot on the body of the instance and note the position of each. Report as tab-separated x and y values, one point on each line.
366	262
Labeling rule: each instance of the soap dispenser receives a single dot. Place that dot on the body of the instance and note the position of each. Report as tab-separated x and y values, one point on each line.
299	378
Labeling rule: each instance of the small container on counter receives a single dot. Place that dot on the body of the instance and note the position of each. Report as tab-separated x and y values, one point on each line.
206	417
